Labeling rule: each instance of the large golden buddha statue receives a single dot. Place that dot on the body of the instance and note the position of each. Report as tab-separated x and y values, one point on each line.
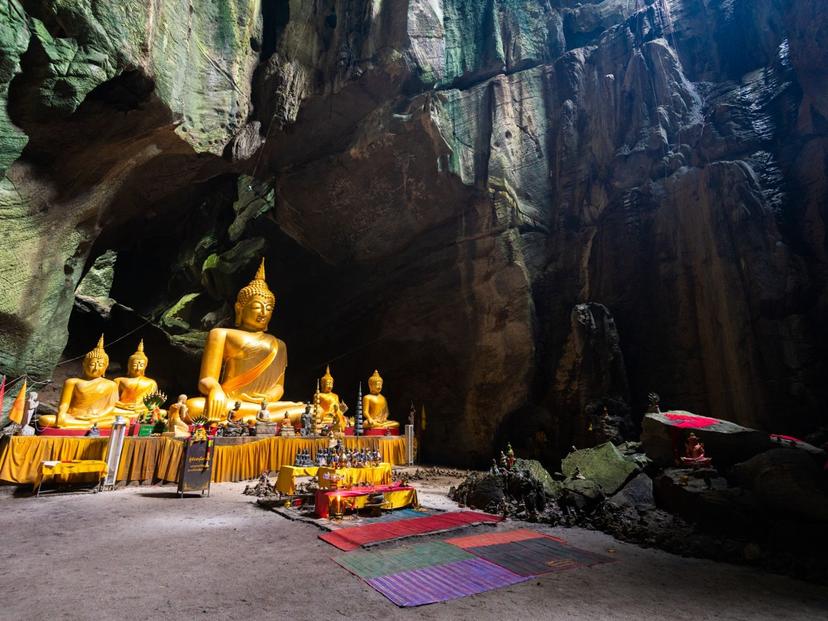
244	363
133	388
330	405
375	407
89	400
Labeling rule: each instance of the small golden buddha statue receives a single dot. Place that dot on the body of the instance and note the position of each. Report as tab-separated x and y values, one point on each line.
244	363
88	401
375	407
133	388
329	403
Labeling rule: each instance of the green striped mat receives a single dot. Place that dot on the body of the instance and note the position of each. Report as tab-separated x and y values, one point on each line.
385	562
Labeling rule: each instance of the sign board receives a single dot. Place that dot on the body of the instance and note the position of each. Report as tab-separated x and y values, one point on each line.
196	467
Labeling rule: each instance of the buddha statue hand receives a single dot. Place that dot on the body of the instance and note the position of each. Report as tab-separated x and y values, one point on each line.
216	405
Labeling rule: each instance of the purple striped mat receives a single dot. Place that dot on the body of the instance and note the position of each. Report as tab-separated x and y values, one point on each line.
439	583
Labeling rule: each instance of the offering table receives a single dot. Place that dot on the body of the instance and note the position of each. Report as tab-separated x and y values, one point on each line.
345	477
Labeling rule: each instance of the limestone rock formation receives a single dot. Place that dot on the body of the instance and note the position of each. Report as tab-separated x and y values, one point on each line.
440	183
604	464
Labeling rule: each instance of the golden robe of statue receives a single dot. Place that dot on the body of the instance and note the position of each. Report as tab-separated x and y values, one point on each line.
253	363
88	400
375	407
133	388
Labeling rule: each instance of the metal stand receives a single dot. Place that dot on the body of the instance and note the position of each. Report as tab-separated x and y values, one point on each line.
409	444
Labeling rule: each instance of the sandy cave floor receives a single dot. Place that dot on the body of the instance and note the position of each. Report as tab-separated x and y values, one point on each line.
143	553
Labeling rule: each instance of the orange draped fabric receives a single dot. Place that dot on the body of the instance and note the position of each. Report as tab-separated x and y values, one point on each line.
158	458
21	456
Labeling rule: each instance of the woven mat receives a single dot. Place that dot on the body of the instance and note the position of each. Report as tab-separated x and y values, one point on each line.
490	539
353	538
529	553
353	520
384	562
440	583
426	573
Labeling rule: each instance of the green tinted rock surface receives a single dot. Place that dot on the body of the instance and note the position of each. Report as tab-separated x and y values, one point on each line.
602	464
14	39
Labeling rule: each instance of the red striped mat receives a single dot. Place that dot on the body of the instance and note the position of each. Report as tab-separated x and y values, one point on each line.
353	538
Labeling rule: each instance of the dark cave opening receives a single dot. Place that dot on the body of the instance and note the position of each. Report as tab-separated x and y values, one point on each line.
275	16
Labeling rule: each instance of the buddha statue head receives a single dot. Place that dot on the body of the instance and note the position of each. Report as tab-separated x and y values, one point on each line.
326	382
137	362
96	361
375	383
254	304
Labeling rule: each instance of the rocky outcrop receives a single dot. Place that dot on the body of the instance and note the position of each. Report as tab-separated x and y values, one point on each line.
604	464
664	436
114	103
441	183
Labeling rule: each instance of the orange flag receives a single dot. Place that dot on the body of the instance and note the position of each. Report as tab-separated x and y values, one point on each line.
18	408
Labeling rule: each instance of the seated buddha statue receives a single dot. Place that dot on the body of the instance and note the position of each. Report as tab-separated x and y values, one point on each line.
133	388
88	401
375	407
329	404
245	363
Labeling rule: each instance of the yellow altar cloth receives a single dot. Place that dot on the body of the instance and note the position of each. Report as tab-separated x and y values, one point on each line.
158	458
286	481
330	478
398	499
66	468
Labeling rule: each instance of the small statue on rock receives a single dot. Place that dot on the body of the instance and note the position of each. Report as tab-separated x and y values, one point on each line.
694	453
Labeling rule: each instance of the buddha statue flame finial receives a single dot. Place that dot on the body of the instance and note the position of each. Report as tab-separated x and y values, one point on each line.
256	288
98	352
327	375
139	352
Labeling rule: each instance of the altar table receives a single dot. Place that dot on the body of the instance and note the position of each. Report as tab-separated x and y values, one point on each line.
158	458
330	478
286	481
395	496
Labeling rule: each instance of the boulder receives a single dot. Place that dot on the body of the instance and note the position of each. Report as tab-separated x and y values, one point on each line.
603	464
581	494
790	442
637	494
786	481
481	491
702	496
664	434
536	471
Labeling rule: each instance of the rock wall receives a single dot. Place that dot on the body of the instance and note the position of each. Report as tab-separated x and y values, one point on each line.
440	182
